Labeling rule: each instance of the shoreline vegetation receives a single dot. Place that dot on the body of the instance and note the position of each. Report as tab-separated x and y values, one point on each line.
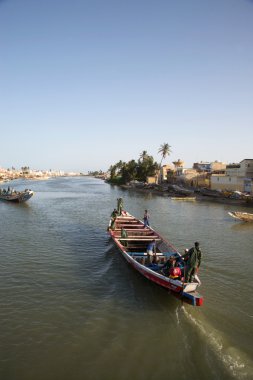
146	175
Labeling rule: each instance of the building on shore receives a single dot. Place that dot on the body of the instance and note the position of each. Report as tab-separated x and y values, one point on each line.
214	175
237	177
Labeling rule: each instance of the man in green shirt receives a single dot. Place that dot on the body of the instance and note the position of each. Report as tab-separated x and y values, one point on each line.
124	235
193	260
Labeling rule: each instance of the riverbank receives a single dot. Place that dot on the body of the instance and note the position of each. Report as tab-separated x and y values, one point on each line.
164	191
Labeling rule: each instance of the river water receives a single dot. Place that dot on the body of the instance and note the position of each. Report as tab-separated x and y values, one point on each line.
72	308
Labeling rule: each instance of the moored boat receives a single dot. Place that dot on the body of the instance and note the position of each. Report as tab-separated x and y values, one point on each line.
165	268
15	196
183	198
243	216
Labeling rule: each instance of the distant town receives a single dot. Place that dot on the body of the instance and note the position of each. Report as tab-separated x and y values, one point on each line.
26	173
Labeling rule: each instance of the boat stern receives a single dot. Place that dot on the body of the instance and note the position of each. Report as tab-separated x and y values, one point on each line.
193	298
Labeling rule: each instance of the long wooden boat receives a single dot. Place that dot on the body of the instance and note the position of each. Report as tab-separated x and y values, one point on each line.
243	216
192	199
131	237
16	196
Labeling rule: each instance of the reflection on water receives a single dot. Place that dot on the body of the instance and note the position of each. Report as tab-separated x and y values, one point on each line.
240	226
71	307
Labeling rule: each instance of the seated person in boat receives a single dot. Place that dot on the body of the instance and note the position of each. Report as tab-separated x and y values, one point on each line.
114	215
170	263
172	268
151	248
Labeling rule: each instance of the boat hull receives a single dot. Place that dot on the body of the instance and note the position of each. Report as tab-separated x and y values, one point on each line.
17	197
192	199
242	216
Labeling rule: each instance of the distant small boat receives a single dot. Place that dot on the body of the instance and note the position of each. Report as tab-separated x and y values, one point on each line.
183	198
180	191
243	216
210	193
16	196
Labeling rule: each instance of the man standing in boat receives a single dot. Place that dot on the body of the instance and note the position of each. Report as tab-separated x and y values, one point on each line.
119	205
146	218
193	260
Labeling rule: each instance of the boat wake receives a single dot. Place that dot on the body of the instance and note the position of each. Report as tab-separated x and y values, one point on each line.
177	314
238	364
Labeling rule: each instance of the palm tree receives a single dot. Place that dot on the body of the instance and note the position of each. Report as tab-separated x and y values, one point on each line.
165	151
143	155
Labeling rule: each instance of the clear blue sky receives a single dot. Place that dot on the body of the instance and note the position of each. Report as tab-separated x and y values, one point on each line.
86	83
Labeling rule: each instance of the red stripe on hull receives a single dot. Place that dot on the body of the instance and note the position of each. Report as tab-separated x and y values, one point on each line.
159	281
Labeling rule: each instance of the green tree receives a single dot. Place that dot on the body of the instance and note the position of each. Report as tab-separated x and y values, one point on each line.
146	168
112	171
123	172
129	171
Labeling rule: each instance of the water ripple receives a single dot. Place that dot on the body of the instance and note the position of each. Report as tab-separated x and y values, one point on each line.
70	303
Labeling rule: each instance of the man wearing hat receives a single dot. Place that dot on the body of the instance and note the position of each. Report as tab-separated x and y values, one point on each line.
193	260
